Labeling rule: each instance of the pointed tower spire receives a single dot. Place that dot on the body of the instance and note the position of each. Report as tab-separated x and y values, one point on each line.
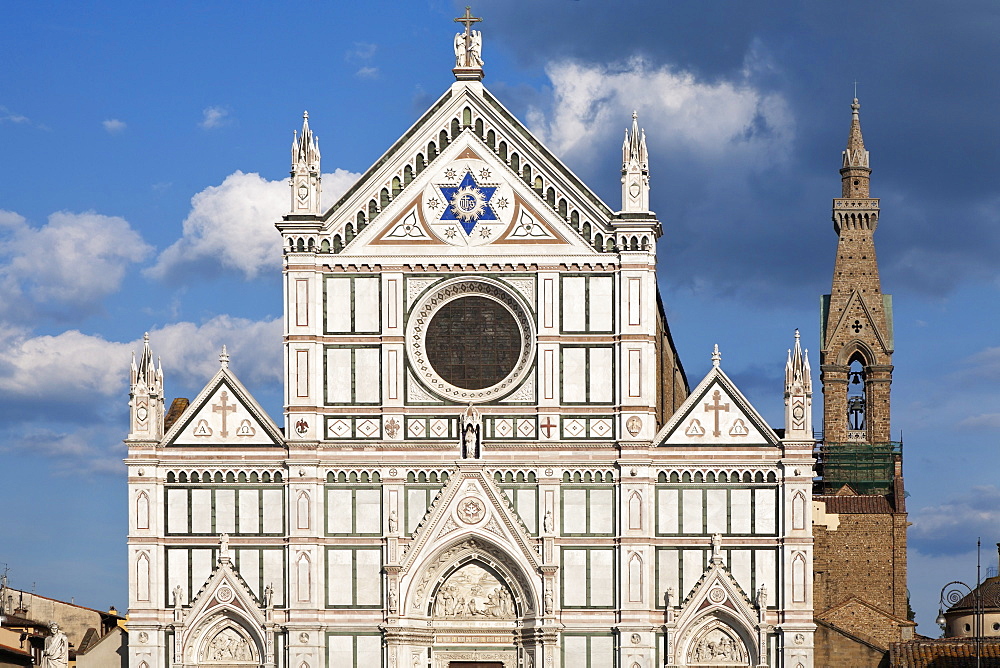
146	396
635	170
798	393
856	169
306	175
856	335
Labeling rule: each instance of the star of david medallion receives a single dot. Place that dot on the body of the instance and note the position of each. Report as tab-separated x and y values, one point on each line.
471	510
468	203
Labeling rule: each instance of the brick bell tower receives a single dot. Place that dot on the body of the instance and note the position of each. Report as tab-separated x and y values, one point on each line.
856	339
859	519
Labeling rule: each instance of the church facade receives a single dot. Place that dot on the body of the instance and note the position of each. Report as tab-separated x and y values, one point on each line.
492	456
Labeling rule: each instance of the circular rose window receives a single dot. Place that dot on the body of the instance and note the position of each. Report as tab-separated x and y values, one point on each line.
470	340
473	342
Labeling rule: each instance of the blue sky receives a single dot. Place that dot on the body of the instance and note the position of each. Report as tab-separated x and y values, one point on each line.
145	152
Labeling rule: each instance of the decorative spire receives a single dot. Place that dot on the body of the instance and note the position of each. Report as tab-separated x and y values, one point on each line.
468	49
146	395
635	170
634	148
224	358
716	356
798	392
855	170
306	177
144	372
305	149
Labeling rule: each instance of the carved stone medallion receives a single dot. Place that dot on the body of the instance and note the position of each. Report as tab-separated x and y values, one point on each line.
471	510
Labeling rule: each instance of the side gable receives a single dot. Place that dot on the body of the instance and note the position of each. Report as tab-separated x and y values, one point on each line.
716	413
223	414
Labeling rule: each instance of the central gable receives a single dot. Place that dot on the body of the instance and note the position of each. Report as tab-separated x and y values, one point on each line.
468	176
470	201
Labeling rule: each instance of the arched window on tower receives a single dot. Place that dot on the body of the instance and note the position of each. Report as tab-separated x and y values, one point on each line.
856	402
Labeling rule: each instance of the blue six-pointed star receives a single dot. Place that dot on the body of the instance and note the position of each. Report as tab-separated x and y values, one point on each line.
468	203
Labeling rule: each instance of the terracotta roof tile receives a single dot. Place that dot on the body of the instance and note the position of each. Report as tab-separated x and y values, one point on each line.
177	406
944	653
855	505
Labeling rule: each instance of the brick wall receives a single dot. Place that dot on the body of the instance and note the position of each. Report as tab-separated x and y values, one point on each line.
864	557
835	650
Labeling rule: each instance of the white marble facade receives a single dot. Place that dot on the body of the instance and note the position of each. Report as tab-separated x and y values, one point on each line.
476	464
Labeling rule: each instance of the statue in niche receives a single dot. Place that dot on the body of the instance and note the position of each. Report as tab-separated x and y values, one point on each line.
393	522
472	441
269	596
473	593
547	524
178	596
56	652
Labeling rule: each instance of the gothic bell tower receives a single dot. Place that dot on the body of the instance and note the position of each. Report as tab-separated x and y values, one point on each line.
859	504
856	338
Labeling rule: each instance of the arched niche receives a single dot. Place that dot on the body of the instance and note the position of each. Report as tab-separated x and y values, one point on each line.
505	568
227	640
473	591
718	639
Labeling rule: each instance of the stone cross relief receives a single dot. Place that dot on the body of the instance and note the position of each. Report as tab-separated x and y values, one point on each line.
716	406
224	408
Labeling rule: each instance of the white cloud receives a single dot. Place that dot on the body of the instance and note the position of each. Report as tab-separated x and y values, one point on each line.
8	116
949	527
65	396
367	72
362	51
981	421
114	126
232	225
713	120
67	266
983	365
213	117
73	367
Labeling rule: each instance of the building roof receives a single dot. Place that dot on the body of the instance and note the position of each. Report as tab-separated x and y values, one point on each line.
943	653
21	656
177	408
855	505
988	589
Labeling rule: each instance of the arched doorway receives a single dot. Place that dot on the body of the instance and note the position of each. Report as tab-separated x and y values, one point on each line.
479	604
226	643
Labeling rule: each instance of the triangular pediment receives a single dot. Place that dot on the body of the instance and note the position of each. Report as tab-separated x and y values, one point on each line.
471	179
717	589
224	414
225	589
856	322
471	505
716	413
468	201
